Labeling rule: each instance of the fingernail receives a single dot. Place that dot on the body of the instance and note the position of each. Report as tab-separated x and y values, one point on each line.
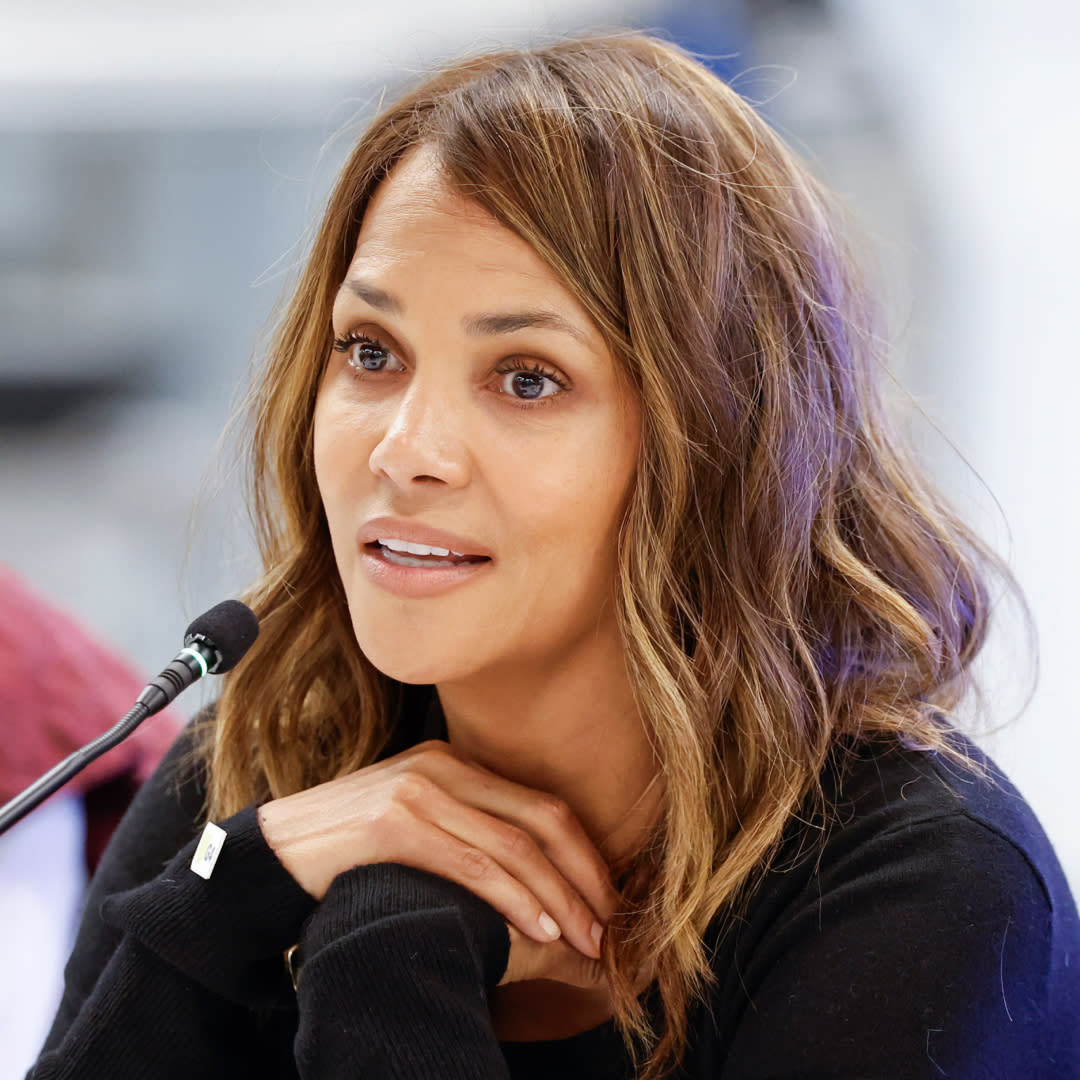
549	925
597	934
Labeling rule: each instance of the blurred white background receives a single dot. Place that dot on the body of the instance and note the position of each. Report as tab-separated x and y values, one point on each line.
159	164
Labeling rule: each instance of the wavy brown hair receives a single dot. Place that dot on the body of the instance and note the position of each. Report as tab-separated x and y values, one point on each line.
788	579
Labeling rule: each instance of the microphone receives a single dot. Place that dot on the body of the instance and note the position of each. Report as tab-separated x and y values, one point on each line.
214	643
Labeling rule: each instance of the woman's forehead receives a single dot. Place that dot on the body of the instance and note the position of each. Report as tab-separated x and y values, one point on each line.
415	214
416	187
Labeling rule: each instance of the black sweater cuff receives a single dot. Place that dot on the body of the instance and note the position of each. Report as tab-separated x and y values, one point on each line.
398	965
366	895
229	932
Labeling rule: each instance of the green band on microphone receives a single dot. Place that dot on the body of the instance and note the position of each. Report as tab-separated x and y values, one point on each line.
198	656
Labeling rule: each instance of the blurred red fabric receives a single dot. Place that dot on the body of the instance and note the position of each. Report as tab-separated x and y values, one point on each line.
60	688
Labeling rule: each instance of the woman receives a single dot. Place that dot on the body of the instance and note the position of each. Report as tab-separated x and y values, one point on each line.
608	640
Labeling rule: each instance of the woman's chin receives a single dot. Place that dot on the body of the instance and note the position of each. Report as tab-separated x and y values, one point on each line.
412	669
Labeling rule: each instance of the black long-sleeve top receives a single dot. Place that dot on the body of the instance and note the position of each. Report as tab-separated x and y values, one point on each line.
928	931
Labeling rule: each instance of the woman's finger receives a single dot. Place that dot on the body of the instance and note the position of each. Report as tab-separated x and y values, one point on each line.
497	860
556	960
548	820
438	852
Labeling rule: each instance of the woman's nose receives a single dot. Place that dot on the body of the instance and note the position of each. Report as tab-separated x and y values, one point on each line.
423	440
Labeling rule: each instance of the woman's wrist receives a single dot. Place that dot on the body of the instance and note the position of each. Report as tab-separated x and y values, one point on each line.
227	931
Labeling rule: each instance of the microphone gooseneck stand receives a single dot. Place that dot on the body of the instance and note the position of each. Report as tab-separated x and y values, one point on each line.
214	643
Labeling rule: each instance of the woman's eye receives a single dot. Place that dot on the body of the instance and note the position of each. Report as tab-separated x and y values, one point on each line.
530	383
364	353
526	383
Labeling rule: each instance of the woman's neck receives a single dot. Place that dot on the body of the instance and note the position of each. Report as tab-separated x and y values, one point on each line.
573	731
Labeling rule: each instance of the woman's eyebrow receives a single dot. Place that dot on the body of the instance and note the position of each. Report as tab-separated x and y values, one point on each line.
508	322
372	295
488	323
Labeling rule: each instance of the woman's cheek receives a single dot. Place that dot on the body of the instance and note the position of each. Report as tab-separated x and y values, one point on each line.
341	445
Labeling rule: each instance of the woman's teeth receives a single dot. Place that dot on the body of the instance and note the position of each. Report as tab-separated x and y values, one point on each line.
428	561
403	553
416	549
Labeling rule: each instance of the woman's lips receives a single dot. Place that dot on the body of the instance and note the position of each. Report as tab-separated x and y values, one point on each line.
429	579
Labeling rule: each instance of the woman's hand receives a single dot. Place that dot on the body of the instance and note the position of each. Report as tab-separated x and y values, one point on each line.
555	960
521	850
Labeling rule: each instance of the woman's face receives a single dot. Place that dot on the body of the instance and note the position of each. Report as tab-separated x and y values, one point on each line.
470	394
